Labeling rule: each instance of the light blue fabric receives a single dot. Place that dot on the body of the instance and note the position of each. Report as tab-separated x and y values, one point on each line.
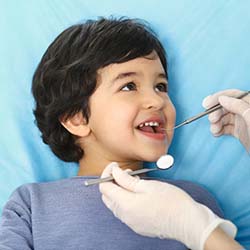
67	215
208	50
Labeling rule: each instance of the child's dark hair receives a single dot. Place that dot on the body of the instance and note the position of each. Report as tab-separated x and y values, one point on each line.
66	76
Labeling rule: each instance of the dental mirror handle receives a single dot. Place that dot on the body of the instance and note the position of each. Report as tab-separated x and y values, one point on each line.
110	178
163	163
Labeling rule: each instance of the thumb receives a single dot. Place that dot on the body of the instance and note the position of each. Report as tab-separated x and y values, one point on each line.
208	101
108	169
125	180
236	106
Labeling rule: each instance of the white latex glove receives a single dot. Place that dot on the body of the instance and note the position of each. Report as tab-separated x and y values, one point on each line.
233	119
158	209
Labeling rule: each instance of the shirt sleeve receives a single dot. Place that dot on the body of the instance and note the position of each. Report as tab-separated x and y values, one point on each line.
15	223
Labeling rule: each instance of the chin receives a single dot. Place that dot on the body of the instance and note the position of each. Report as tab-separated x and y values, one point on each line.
154	156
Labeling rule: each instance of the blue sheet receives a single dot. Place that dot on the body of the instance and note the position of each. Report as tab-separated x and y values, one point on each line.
208	50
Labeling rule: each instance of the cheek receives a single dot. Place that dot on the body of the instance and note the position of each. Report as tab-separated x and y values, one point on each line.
122	117
115	117
171	116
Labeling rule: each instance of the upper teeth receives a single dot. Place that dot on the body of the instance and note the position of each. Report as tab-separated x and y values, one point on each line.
151	124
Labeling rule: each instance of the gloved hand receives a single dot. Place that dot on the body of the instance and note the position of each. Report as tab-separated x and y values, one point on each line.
158	209
233	119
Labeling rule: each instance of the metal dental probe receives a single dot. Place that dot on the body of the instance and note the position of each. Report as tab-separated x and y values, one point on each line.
206	112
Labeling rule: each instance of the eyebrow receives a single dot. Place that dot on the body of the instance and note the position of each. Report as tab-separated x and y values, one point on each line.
128	74
124	75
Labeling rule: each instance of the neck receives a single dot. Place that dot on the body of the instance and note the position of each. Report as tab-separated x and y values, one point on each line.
94	166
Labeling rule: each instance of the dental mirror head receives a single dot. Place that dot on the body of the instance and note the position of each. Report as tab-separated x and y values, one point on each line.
165	162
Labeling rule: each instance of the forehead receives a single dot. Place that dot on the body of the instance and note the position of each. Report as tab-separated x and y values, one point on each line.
149	65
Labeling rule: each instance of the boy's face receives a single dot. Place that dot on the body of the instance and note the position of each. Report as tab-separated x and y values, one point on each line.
129	95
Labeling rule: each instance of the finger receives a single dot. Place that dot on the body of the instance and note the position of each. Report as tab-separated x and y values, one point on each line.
137	177
212	100
225	130
108	169
246	114
236	106
216	115
228	119
216	128
113	192
130	170
125	180
228	103
108	187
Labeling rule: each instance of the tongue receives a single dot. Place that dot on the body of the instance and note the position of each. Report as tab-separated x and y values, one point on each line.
147	129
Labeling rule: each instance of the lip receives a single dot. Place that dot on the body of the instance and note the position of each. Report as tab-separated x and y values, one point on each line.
156	136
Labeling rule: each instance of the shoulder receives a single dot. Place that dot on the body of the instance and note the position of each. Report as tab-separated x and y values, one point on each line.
24	194
199	193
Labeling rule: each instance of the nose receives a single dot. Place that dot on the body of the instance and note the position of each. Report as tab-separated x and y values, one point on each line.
153	100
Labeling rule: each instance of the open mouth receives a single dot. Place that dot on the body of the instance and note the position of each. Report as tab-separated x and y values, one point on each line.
151	127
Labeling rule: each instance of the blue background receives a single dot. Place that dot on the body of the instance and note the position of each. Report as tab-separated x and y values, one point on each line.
207	43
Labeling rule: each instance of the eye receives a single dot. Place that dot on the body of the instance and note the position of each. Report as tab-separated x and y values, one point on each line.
162	87
129	86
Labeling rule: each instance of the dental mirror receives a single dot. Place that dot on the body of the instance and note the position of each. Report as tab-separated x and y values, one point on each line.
163	163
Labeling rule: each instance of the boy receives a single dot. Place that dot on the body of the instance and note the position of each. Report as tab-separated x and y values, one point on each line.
101	96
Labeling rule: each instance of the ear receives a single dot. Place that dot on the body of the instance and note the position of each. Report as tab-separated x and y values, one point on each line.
76	125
